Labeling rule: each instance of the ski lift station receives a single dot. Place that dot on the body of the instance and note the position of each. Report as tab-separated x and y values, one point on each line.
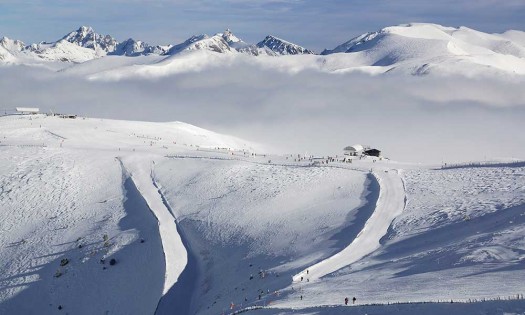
354	150
358	150
372	152
27	110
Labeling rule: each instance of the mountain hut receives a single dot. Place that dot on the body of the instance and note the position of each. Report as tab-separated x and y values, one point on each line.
353	150
372	152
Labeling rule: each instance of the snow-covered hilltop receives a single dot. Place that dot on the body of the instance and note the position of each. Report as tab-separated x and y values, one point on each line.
279	46
420	48
94	211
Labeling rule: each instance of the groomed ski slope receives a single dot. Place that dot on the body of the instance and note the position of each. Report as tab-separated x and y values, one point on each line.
174	252
390	204
252	225
238	228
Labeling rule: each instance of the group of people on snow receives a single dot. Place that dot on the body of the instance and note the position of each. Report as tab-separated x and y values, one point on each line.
353	300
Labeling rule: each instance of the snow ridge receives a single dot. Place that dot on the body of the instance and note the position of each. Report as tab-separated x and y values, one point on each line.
281	47
86	37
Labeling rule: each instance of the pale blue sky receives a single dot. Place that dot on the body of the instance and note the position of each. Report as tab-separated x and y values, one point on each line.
313	24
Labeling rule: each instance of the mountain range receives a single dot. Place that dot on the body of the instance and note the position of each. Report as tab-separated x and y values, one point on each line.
417	48
84	44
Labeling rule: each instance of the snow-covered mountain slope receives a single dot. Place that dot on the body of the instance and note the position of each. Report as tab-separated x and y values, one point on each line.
215	43
515	36
232	40
5	55
101	45
56	252
9	49
421	48
86	37
11	44
227	42
131	47
416	49
211	224
63	51
459	236
277	46
78	46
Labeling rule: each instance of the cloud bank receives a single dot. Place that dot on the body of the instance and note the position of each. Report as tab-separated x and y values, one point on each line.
415	119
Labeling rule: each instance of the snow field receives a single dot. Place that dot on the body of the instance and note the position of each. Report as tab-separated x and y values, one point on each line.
459	238
230	227
252	226
54	207
59	204
390	204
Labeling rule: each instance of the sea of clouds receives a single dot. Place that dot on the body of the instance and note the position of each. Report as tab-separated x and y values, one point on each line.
424	119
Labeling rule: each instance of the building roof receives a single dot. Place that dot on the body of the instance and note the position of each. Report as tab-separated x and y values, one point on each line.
354	148
28	109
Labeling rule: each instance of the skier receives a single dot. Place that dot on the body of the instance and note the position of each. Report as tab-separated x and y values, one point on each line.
346	300
353	300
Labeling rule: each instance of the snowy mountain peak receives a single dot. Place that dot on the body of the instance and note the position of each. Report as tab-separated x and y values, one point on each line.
131	47
229	37
86	37
351	44
85	30
415	48
233	41
421	48
281	47
11	44
215	43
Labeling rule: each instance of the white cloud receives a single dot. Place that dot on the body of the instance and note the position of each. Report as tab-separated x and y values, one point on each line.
410	119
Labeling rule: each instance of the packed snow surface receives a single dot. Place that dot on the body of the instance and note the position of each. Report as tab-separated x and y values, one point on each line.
123	217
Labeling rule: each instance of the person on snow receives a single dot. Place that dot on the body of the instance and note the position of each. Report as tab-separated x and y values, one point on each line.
353	300
346	300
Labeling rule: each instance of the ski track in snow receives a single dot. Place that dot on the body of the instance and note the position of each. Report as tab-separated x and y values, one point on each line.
390	204
174	250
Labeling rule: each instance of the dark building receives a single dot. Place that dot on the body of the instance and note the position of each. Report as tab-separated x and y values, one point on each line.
372	152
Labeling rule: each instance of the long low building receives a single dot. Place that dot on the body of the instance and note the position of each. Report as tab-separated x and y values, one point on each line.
27	110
